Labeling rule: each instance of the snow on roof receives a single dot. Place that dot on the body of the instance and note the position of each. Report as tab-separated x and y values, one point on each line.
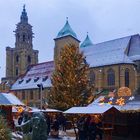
37	74
119	51
9	99
46	110
133	104
107	53
134	46
96	109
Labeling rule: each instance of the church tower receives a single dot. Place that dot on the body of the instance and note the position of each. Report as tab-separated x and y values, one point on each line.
19	58
65	36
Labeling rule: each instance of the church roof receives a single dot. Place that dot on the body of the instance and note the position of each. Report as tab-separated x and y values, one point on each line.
87	42
66	30
134	48
109	53
38	74
118	51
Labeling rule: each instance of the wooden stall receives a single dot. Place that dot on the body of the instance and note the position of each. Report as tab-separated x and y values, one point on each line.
108	114
7	100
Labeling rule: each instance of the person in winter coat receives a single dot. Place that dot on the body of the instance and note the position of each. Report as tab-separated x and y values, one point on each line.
92	129
81	128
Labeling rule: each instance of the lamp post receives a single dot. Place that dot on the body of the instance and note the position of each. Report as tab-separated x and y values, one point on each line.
40	89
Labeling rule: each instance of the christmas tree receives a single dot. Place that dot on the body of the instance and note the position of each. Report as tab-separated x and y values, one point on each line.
70	81
5	133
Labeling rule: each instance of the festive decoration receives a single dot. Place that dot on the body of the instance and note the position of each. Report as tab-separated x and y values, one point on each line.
110	102
20	109
111	94
102	99
120	101
124	91
70	81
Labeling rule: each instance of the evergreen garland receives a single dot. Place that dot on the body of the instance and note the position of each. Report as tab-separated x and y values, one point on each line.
5	133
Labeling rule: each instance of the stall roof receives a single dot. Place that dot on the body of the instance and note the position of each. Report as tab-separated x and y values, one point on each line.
46	110
96	109
9	99
132	103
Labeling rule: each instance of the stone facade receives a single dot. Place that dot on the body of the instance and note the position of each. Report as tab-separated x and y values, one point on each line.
32	97
61	42
101	77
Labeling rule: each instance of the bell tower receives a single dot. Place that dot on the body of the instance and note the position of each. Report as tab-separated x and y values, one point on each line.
19	58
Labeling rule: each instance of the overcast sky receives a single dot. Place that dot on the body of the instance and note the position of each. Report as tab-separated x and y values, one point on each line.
103	19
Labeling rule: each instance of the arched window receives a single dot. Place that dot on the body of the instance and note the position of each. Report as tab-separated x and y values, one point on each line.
127	78
29	59
111	77
17	58
23	95
23	38
31	95
16	71
92	77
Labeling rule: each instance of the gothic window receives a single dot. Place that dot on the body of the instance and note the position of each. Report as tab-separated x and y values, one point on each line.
31	95
17	58
111	77
92	77
23	38
16	71
126	78
23	95
29	59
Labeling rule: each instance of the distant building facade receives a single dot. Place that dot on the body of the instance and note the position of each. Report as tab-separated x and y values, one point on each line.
113	64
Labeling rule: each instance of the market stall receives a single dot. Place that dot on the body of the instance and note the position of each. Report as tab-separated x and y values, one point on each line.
127	123
7	101
107	113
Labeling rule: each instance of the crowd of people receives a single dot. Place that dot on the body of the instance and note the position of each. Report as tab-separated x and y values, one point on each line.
89	128
54	122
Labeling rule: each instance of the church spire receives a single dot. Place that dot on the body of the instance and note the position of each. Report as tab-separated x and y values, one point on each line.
66	30
87	42
24	17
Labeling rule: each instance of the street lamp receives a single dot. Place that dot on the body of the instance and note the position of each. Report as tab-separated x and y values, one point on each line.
41	88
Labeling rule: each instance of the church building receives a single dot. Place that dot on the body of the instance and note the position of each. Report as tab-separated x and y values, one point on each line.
113	64
19	59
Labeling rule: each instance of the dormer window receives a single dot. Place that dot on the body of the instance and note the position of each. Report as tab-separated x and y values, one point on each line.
36	79
20	81
28	80
44	78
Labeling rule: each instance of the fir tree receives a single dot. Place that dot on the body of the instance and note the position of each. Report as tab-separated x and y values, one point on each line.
70	81
5	133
